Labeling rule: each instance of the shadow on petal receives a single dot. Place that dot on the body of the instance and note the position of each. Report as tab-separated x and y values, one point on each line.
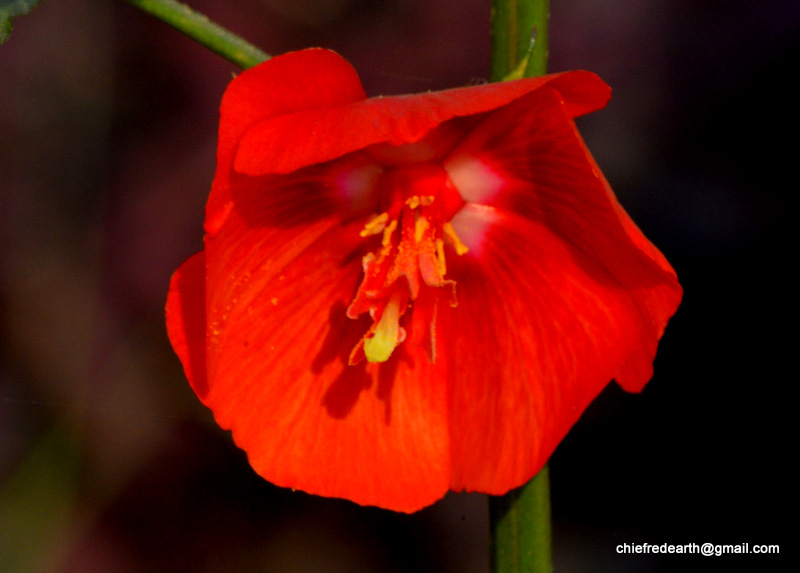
343	393
344	333
387	373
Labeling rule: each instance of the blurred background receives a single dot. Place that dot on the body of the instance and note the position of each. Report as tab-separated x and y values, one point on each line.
108	118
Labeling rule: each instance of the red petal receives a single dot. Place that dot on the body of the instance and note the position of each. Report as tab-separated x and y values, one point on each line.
281	272
186	319
285	142
550	177
304	80
562	294
540	329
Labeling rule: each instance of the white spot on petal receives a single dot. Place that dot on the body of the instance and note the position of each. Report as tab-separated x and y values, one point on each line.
472	223
476	182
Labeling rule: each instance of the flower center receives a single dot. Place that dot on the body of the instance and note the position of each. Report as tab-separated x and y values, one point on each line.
408	267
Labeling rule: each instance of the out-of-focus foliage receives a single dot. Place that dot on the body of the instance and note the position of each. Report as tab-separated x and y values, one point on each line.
9	9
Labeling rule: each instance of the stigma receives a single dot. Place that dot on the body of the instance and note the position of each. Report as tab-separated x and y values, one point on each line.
388	333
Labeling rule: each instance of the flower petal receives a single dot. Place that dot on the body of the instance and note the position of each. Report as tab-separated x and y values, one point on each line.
540	329
558	294
280	274
536	165
186	319
304	80
285	142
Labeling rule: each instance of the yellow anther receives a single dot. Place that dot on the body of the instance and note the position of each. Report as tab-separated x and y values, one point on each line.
452	239
413	201
441	266
375	225
387	233
426	200
420	226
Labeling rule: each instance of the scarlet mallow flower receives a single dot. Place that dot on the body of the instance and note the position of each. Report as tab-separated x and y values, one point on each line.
404	295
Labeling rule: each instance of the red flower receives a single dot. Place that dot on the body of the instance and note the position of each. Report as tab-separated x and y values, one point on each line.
404	295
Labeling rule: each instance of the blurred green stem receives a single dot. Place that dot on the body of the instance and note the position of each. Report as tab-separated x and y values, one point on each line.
202	30
519	31
520	520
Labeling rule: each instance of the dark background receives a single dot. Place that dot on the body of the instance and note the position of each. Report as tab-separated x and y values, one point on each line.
108	119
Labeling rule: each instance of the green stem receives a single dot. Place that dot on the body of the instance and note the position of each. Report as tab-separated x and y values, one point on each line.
519	31
520	528
202	30
520	520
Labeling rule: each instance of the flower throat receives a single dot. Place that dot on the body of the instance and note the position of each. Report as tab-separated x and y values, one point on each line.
413	229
